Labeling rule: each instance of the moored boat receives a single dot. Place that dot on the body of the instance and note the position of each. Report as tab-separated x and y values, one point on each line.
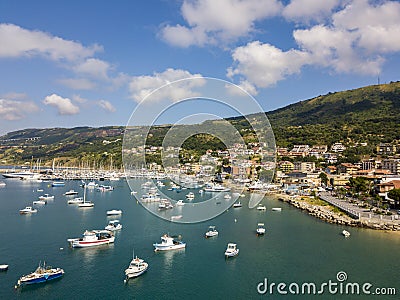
346	233
136	268
211	232
3	267
260	229
58	183
114	212
231	250
39	202
277	209
28	210
168	243
92	238
46	197
76	200
261	207
180	203
71	193
40	275
113	225
190	196
237	205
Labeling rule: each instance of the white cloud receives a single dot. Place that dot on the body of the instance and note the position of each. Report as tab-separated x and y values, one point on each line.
263	64
141	86
212	22
16	41
93	67
78	83
64	105
106	105
13	110
306	10
79	99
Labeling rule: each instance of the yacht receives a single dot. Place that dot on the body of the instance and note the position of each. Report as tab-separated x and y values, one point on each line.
92	238
77	200
113	225
114	212
46	197
40	275
28	210
136	268
211	232
346	233
168	243
231	250
18	174
71	193
260	229
216	188
237	205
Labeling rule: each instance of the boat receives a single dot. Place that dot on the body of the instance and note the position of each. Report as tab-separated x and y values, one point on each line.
237	205
18	174
216	188
46	197
180	203
190	196
58	183
177	217
346	233
260	229
231	250
71	193
211	232
114	212
227	197
165	204
28	210
76	200
276	209
3	267
261	207
39	202
105	188
85	203
136	268
2	183
168	243
91	185
92	238
113	225
40	275
39	190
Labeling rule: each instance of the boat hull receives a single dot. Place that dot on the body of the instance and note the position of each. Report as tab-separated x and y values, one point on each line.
42	279
84	244
159	247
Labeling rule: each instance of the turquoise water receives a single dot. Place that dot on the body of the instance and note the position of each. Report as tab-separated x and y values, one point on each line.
296	248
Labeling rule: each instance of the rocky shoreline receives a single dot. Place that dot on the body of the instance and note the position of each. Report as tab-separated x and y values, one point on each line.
325	213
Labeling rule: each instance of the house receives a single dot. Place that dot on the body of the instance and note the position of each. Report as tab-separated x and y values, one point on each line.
347	168
391	164
286	166
338	147
386	149
300	150
304	166
318	151
387	186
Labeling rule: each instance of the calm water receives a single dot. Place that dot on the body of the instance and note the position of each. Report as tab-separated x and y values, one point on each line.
297	248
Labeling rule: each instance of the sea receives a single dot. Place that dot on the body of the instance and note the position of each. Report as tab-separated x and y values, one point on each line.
298	252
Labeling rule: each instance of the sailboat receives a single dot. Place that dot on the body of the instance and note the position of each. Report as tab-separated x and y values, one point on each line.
85	203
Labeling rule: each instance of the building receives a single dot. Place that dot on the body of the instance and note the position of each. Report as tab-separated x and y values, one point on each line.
300	150
386	149
391	164
318	151
338	147
307	167
368	164
347	168
286	166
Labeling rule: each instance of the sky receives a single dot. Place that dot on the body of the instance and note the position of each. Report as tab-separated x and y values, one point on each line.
92	63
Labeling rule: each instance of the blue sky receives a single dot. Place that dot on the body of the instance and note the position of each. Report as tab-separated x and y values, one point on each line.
74	63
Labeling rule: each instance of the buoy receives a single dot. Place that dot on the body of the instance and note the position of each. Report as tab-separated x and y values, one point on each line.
61	248
235	220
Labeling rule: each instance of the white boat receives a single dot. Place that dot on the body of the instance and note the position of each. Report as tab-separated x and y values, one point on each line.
92	238
211	232
71	193
231	250
180	203
136	268
168	243
41	275
216	188
114	212
113	225
277	209
105	188
165	204
91	185
39	202
227	196
177	217
18	174
28	210
237	205
58	183
261	207
46	197
39	190
260	229
3	267
77	200
85	203
190	196
346	233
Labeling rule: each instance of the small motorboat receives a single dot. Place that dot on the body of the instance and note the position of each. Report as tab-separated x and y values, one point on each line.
260	229
227	197
136	268
237	205
77	200
3	267
71	193
190	196
58	183
211	232
276	209
39	202
40	275
92	238
346	233
28	210
180	203
231	250
113	225
86	204
114	212
165	204
168	243
46	197
177	217
261	207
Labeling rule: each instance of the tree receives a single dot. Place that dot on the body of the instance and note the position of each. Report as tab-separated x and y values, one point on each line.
324	178
395	195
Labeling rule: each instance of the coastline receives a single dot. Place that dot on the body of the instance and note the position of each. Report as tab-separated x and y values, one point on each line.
329	214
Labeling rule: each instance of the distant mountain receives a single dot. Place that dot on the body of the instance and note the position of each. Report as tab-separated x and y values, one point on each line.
366	115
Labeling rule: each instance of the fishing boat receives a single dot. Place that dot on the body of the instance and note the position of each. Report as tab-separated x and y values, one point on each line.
346	233
168	243
28	210
136	268
114	212
3	267
46	197
113	225
237	205
231	250
40	275
211	232
260	229
39	202
91	238
76	200
71	193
